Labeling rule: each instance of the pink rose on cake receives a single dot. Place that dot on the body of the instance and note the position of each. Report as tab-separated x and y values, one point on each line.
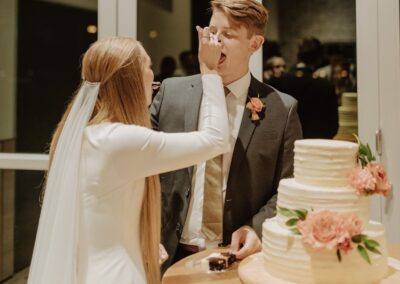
323	229
345	246
369	177
382	185
353	225
330	230
362	180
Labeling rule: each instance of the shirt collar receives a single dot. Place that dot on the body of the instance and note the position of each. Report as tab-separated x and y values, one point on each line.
240	87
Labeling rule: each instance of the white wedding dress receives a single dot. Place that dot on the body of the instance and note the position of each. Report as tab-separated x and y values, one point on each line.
115	160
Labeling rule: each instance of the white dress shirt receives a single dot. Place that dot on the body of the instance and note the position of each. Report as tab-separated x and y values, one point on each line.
235	103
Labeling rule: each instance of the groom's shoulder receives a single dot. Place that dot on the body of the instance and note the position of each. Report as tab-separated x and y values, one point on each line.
179	82
274	94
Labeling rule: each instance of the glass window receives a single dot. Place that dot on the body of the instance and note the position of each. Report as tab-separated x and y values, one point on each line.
41	44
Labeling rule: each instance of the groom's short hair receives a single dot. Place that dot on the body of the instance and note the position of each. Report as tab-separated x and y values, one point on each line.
250	13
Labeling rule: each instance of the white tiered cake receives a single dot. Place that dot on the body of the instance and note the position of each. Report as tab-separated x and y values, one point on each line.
321	183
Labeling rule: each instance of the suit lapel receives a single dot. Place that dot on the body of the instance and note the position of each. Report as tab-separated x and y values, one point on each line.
246	131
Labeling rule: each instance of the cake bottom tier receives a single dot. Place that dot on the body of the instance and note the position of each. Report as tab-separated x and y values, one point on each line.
286	257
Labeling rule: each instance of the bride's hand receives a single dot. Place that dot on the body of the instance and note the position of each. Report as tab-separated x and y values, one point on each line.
209	50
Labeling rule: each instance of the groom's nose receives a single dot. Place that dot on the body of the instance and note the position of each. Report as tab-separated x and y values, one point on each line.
218	35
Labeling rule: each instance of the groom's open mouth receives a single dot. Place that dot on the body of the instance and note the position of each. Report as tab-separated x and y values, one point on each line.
221	59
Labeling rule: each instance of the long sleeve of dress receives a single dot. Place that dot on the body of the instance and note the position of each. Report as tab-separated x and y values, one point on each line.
137	152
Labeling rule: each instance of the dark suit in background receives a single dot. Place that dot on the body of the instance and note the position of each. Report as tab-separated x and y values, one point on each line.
263	154
318	108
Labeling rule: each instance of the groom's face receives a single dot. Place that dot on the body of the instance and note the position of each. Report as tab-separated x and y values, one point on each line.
236	47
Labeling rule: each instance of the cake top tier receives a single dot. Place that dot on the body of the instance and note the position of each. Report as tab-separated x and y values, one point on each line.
324	162
327	144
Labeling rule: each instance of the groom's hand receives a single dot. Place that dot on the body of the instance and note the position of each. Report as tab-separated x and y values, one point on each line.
245	242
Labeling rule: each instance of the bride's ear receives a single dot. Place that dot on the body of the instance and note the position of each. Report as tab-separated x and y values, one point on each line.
256	42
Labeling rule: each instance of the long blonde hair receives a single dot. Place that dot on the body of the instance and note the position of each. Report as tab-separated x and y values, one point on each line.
117	63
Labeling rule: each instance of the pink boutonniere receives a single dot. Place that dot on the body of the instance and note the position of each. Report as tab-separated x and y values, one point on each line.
256	106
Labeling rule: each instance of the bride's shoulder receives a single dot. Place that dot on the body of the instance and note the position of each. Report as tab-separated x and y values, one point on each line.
106	130
114	135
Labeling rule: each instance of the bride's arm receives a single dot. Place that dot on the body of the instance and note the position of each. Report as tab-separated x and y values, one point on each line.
138	152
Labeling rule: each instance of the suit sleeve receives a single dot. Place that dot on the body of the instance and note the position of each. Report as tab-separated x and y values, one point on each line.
156	106
284	168
137	152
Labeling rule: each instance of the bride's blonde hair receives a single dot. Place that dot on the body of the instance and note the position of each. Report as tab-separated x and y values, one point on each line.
117	63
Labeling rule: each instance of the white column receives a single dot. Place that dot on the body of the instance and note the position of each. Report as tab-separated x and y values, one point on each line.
107	18
378	65
127	18
256	62
367	79
389	105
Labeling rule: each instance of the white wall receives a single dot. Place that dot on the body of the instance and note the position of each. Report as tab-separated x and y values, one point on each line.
389	106
378	64
173	29
8	68
272	32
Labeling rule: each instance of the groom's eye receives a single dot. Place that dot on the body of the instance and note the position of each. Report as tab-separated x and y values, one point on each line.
227	35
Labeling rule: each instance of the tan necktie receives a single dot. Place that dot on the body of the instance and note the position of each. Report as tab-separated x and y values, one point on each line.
212	202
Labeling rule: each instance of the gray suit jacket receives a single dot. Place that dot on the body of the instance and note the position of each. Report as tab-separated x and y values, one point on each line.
263	154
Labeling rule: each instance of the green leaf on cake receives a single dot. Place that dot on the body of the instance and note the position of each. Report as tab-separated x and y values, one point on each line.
295	231
286	212
370	156
364	254
364	152
339	255
373	249
291	222
301	213
372	245
357	239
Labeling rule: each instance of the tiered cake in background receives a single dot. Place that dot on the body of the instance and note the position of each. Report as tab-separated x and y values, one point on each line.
348	124
321	233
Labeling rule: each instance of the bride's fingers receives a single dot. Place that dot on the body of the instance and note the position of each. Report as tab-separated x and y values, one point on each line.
199	32
206	33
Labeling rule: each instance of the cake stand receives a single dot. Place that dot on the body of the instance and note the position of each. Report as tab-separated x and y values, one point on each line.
251	271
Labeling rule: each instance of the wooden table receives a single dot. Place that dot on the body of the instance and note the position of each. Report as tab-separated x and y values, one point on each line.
179	274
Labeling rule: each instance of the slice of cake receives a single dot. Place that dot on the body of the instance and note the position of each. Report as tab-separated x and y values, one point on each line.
218	261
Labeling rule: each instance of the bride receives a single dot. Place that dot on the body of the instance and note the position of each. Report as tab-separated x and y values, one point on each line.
100	220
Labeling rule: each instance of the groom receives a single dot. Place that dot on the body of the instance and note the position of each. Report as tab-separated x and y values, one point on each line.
226	199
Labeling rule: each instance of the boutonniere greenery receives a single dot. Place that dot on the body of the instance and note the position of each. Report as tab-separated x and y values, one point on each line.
257	108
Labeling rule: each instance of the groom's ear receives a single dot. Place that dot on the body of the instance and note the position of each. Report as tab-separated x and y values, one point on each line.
256	42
